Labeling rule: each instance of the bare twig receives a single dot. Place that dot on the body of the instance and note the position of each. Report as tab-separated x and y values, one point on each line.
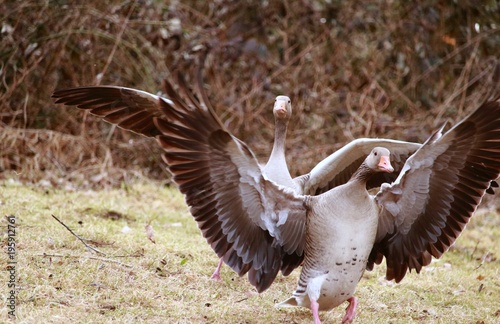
448	57
78	237
280	70
403	96
88	257
117	42
462	90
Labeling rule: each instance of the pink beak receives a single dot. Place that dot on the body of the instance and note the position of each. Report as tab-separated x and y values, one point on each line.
385	164
280	108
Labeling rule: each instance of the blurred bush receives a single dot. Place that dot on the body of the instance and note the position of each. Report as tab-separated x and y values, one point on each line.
392	69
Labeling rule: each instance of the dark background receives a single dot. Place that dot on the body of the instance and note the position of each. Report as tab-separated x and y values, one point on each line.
393	69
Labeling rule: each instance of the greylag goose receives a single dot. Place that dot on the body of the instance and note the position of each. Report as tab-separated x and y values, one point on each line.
418	216
276	168
135	110
259	227
340	231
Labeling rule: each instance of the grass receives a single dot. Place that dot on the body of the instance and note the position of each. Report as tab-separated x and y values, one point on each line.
60	281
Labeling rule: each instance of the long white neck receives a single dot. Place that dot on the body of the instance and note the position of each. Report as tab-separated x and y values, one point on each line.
276	168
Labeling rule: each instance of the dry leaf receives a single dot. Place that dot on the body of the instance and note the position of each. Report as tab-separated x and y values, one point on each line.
150	233
449	40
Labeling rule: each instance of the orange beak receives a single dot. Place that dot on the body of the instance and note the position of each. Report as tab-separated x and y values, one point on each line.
385	164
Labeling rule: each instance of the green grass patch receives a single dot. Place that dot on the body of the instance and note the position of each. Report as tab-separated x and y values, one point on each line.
137	281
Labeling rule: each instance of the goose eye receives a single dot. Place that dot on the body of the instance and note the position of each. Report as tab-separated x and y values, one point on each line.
375	153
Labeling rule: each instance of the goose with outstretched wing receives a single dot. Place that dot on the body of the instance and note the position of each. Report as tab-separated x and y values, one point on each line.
136	110
260	227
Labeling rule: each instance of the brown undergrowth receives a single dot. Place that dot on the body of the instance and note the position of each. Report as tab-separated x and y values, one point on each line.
381	69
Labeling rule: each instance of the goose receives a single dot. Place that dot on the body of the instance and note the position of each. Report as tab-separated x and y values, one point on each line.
260	227
341	225
135	110
276	168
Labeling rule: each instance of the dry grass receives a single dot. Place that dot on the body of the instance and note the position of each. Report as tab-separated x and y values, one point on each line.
137	281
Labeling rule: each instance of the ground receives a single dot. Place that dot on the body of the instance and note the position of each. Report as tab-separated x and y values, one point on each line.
59	280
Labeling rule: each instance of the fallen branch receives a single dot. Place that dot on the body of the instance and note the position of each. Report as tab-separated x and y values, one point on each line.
88	257
78	237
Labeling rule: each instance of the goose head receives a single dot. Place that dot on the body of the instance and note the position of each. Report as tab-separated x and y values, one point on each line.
282	108
379	160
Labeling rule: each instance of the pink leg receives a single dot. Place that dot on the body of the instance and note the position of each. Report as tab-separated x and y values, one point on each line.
216	275
350	311
315	311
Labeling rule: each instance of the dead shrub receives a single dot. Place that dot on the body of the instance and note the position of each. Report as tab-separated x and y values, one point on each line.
381	69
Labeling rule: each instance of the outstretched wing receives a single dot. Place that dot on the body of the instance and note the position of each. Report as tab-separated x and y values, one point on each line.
128	108
255	225
428	206
337	168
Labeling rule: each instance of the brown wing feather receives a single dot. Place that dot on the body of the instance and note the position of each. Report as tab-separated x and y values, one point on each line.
130	109
452	173
193	135
207	163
